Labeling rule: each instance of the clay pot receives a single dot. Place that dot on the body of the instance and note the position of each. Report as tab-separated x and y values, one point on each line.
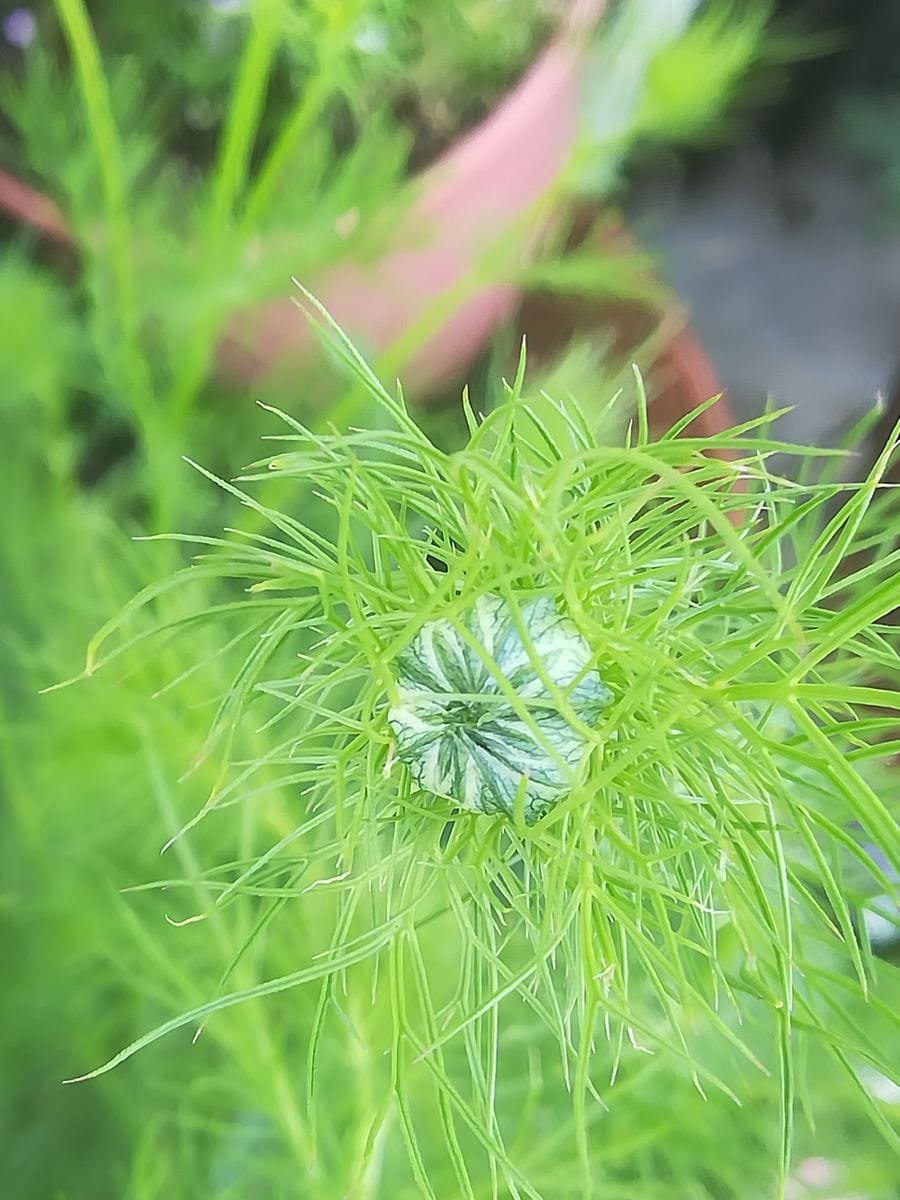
490	182
487	183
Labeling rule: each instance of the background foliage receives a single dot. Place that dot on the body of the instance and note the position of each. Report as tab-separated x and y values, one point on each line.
167	141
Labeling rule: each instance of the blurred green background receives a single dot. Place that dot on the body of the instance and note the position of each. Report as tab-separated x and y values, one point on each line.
199	154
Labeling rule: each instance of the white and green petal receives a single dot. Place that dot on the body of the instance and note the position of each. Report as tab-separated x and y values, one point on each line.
483	714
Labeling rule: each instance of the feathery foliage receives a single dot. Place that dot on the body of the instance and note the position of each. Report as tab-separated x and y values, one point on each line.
695	895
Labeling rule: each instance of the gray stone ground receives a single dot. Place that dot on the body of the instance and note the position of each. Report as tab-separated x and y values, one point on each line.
793	279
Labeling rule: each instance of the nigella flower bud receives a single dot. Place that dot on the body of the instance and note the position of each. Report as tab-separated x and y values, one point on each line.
467	737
